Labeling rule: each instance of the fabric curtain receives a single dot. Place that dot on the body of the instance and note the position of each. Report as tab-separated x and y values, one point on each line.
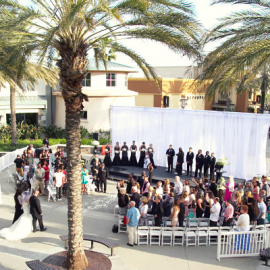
240	137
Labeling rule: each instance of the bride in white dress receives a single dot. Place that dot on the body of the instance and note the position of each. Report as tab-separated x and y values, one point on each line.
146	160
23	226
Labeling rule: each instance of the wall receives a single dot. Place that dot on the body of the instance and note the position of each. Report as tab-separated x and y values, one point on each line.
98	111
144	100
242	102
182	72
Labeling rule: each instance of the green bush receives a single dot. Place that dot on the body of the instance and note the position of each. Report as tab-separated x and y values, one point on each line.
104	141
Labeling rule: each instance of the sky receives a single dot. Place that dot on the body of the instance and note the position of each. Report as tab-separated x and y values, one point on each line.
158	55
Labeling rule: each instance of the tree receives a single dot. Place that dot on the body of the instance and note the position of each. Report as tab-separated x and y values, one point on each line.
244	52
72	28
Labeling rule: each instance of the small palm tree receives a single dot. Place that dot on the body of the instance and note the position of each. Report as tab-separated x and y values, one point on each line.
244	52
71	28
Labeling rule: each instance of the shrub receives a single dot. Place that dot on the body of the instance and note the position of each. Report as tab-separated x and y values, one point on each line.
84	132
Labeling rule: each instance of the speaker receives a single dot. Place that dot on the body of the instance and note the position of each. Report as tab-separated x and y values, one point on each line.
95	136
259	99
166	101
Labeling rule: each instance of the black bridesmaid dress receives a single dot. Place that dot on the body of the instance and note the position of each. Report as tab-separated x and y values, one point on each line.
133	159
151	155
142	156
18	209
116	159
124	155
107	160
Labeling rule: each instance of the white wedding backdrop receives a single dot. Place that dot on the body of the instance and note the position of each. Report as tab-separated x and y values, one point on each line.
240	137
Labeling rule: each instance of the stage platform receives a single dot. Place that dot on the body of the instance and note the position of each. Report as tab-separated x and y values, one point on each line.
159	174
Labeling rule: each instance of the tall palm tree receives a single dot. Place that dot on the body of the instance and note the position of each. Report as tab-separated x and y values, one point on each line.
72	28
244	51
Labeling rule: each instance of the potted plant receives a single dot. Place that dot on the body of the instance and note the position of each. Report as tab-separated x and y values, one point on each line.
95	144
221	162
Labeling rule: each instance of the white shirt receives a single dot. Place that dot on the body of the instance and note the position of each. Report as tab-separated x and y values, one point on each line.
159	190
262	209
178	187
143	209
242	224
215	215
231	186
58	179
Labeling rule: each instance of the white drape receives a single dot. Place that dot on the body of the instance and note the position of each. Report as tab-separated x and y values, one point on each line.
240	137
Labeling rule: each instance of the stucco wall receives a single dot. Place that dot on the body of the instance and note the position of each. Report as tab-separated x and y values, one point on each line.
192	103
98	111
144	100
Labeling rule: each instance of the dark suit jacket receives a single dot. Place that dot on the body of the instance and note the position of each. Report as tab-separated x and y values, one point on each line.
181	214
103	174
180	157
206	160
140	181
190	157
170	153
136	198
212	161
35	208
199	159
93	161
167	206
159	210
46	142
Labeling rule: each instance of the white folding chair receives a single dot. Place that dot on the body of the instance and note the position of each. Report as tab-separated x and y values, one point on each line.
143	235
193	222
51	193
10	176
122	228
178	236
213	235
202	234
166	236
154	235
191	236
90	185
116	210
204	222
32	183
150	220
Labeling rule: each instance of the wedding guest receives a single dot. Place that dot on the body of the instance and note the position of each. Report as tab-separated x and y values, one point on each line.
180	161
48	156
262	211
18	204
142	150
253	210
31	150
215	210
186	202
124	150
19	165
119	185
236	203
189	160
138	188
158	211
57	162
200	206
39	178
181	215
168	204
46	142
95	165
212	164
265	186
146	185
135	196
170	154
199	163
63	170
178	185
150	197
130	183
151	155
220	195
209	202
107	160
172	189
192	197
247	188
159	189
206	161
174	213
46	168
206	183
24	155
84	179
150	169
26	171
228	214
240	189
123	201
116	159
141	178
143	221
133	150
256	191
186	187
102	177
213	187
29	158
242	224
42	156
192	210
229	189
58	179
166	186
133	216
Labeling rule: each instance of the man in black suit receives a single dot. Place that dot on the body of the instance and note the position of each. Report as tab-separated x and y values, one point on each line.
180	160
199	163
170	154
181	215
158	211
102	177
35	211
135	196
189	159
212	165
206	161
46	142
141	179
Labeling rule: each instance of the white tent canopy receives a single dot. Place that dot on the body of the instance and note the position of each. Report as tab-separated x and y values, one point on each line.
240	137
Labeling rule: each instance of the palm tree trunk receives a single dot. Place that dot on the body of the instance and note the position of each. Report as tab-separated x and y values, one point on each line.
263	90
72	67
228	103
13	116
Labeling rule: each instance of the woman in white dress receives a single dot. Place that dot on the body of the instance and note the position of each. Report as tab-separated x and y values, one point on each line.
23	226
146	160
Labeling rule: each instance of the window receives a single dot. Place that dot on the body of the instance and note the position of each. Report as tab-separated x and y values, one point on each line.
223	96
110	79
87	80
84	115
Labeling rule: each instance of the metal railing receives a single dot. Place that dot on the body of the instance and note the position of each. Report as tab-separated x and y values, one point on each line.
241	244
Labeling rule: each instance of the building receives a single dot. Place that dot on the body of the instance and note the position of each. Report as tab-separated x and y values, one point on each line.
104	87
177	72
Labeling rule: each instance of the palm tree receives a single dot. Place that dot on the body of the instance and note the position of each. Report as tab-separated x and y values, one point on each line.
72	28
244	52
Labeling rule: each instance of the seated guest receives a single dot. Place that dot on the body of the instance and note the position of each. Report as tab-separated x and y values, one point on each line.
123	200
130	183
143	221
181	215
228	214
213	187
150	197
135	196
262	211
159	188
146	185
168	204
174	213
178	186
158	211
215	210
242	223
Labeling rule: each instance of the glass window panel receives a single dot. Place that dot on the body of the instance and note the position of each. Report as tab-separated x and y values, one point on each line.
88	76
83	82
88	83
108	83
113	76
108	76
113	83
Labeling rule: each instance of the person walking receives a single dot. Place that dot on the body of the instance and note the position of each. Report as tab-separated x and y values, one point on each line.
133	216
102	177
